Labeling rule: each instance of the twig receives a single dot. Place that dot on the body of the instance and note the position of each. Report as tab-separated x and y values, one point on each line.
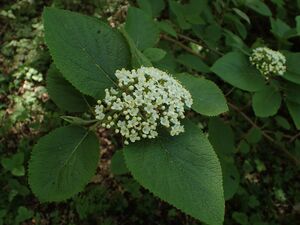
202	43
294	138
167	38
287	136
230	91
268	137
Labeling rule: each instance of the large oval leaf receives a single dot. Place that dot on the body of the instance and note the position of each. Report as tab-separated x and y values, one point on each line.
234	68
85	50
62	163
208	99
183	171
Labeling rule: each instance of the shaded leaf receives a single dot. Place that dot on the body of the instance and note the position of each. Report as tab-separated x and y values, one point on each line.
141	28
292	67
292	92
193	62
138	59
242	15
222	139
294	110
154	54
118	166
153	7
259	6
179	11
167	27
279	28
63	94
266	102
62	163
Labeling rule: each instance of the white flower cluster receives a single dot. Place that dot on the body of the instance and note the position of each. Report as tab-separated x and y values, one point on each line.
268	61
146	98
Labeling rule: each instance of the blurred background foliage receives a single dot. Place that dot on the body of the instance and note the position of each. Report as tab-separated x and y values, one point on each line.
263	186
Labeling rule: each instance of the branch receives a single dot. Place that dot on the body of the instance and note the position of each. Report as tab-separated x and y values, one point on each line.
201	43
294	138
167	38
268	137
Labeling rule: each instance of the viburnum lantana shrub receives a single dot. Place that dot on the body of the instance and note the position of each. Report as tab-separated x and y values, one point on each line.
102	71
149	82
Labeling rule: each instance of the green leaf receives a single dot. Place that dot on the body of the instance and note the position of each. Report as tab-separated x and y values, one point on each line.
183	171
292	65
138	59
141	28
231	177
235	42
14	164
179	11
210	34
297	18
195	7
62	163
242	15
153	7
168	63
208	99
118	166
266	102
283	122
86	50
222	139
259	6
235	21
294	110
254	135
167	27
279	28
235	68
63	94
154	54
23	215
240	218
292	92
145	5
193	62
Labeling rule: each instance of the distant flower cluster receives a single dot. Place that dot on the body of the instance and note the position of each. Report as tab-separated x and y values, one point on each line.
268	61
146	98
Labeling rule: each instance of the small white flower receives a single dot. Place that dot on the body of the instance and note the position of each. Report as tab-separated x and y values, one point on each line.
268	61
146	98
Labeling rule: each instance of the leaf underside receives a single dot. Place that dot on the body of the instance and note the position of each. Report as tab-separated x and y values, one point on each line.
62	163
